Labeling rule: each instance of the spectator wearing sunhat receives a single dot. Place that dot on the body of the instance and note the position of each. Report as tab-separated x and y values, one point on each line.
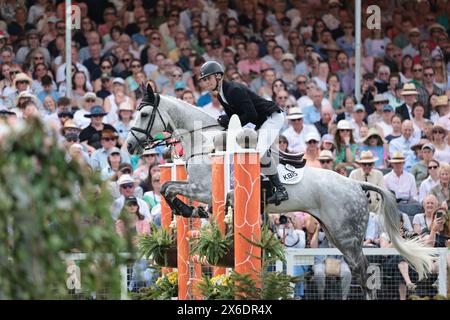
21	83
378	103
438	139
414	39
328	143
346	146
443	109
85	104
114	159
409	94
127	188
420	169
399	181
297	130
357	121
368	173
287	72
123	126
147	158
113	101
99	158
375	143
312	141
91	135
326	159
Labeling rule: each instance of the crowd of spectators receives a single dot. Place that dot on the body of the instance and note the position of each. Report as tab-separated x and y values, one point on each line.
298	53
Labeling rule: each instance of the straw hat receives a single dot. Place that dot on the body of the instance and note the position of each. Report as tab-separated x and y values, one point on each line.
69	124
295	113
344	125
409	89
366	157
441	101
379	98
22	77
436	26
397	157
326	155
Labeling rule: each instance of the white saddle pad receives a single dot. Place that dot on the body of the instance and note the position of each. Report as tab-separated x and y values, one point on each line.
289	174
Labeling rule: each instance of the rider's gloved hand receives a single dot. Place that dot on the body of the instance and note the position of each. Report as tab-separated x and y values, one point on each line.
223	120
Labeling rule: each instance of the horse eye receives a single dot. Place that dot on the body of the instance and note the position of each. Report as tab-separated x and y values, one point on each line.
143	115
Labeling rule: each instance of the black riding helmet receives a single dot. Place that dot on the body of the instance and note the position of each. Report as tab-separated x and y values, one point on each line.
209	68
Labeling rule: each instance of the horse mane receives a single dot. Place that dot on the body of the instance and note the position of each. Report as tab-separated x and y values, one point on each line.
187	105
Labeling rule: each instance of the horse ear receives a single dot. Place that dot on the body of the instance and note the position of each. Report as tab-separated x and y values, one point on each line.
149	95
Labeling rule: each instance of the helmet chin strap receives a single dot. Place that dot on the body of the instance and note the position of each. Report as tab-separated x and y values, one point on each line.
218	82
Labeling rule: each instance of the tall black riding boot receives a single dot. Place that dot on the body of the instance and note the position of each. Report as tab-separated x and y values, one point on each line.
280	193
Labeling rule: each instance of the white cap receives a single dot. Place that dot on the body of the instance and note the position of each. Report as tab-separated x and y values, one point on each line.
119	80
312	136
124	179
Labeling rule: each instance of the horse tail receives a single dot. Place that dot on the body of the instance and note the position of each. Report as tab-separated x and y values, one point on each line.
413	250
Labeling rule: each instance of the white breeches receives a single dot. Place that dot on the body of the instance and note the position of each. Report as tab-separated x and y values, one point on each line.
269	132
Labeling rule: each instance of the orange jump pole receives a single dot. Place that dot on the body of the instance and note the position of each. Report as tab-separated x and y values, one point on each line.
166	212
182	243
247	211
218	196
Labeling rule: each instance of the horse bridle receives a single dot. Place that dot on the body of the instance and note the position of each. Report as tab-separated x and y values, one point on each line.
147	131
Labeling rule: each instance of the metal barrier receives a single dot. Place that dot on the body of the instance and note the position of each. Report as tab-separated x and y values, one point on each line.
381	273
384	283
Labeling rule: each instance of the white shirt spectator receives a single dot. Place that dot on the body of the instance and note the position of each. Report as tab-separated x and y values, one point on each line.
297	140
306	101
425	188
403	186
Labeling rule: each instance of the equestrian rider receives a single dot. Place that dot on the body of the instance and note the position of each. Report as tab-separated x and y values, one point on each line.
267	117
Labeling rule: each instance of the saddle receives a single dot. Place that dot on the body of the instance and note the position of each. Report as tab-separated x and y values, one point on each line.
294	159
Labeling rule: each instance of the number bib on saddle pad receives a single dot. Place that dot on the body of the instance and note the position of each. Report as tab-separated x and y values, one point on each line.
289	174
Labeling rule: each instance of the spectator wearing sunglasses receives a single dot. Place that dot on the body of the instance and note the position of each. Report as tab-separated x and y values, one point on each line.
326	159
127	188
100	157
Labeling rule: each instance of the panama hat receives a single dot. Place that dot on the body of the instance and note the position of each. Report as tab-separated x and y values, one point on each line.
22	77
69	124
441	101
295	113
366	157
25	94
397	157
124	179
409	89
414	30
344	125
436	26
326	155
379	98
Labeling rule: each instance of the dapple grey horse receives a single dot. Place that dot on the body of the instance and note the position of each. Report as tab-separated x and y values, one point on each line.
339	203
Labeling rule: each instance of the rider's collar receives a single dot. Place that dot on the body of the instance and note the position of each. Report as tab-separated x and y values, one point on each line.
221	92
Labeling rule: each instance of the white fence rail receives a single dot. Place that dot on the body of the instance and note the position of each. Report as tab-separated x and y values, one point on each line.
306	258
